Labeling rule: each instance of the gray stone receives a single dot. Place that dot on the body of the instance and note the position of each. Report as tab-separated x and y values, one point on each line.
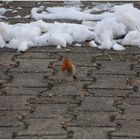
14	90
33	65
93	119
98	104
132	101
18	20
90	132
22	12
115	67
6	132
53	100
10	118
111	82
6	57
44	127
27	80
110	92
50	110
13	102
22	4
41	136
129	129
131	112
38	55
66	89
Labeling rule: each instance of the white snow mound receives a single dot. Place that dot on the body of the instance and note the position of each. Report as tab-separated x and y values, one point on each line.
110	30
23	36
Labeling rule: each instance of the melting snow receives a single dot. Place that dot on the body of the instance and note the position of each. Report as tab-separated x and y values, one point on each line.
23	36
92	44
65	13
113	29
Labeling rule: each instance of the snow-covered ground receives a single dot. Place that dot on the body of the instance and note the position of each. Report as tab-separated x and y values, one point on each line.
117	26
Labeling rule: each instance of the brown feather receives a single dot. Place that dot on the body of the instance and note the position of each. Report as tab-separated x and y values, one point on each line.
68	66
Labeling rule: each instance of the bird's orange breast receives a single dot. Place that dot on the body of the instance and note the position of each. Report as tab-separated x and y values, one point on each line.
67	66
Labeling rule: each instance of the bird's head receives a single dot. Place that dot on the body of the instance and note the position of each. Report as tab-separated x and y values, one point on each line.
66	59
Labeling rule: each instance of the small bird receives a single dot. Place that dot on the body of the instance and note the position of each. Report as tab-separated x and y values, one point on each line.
68	67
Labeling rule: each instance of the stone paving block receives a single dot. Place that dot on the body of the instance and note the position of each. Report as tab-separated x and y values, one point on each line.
135	95
128	129
137	4
10	118
11	90
63	21
50	110
13	102
6	57
131	112
2	74
78	58
53	100
132	101
41	136
6	132
7	50
44	49
22	4
118	68
66	89
111	81
128	50
50	3
1	4
44	127
33	65
3	77
98	104
137	67
90	132
71	48
109	55
2	81
27	80
110	93
93	119
18	20
38	80
38	55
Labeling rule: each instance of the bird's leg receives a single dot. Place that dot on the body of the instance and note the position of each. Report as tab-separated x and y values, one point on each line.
74	77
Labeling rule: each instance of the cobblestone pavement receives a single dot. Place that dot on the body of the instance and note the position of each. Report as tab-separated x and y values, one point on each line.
35	101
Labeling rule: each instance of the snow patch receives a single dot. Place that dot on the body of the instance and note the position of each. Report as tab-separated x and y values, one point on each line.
132	38
92	44
65	13
118	47
111	30
23	36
